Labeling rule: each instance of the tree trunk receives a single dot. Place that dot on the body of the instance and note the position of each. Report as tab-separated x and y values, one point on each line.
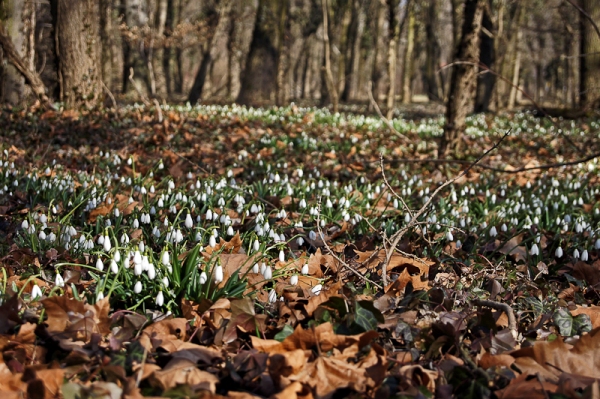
589	65
355	35
158	58
218	25
392	61
134	52
77	39
377	58
243	19
487	56
433	83
463	79
331	86
512	98
283	54
408	59
31	77
12	82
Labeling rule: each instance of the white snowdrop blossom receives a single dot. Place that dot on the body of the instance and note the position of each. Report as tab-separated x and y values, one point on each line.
203	278
281	256
493	231
160	299
137	288
36	292
584	255
304	269
218	274
59	281
99	264
272	296
534	250
317	289
294	280
268	273
576	254
559	252
189	223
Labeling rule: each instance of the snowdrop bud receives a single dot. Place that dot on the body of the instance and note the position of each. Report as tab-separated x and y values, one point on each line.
99	264
597	244
218	274
165	259
117	212
281	256
165	281
137	258
504	228
584	255
42	235
300	241
493	231
137	268
203	278
99	297
268	273
458	244
160	299
559	252
135	223
212	242
534	250
59	281
305	269
317	289
272	296
137	288
312	235
255	268
576	253
36	292
449	236
189	223
114	267
117	256
294	280
230	231
151	271
107	246
256	245
25	224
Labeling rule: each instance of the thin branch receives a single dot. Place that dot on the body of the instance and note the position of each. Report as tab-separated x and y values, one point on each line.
493	169
503	307
137	88
586	15
398	235
383	118
336	257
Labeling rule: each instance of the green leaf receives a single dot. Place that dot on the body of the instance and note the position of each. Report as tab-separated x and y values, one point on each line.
564	322
366	316
582	323
284	333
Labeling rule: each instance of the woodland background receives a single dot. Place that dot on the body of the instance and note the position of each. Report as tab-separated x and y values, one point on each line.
264	52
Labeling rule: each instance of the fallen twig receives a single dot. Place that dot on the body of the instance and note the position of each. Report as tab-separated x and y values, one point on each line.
395	239
503	307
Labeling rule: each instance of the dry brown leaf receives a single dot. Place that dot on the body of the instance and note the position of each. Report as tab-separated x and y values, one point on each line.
593	312
70	318
184	371
418	376
514	248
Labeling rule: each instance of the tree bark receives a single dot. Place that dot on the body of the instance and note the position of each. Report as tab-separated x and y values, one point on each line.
31	77
589	65
463	79
77	41
392	61
433	83
283	54
408	59
487	56
331	85
218	25
12	83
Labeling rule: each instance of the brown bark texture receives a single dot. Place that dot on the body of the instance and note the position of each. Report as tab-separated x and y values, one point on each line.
464	79
77	47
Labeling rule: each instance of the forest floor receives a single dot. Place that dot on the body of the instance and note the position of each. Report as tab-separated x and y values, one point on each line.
223	251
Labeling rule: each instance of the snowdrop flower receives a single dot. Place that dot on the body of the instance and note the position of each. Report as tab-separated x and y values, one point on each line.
42	235
165	259
268	273
59	281
25	224
230	231
534	250
559	252
99	264
584	255
294	280
114	268
576	254
272	296
218	274
36	292
256	245
212	242
458	244
304	269
597	244
189	223
99	297
281	256
107	246
117	256
504	228
137	288
300	241
160	299
203	278
151	271
449	236
317	289
255	268
493	231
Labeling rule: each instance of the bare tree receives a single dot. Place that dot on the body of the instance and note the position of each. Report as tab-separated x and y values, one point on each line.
464	78
331	85
590	52
77	41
